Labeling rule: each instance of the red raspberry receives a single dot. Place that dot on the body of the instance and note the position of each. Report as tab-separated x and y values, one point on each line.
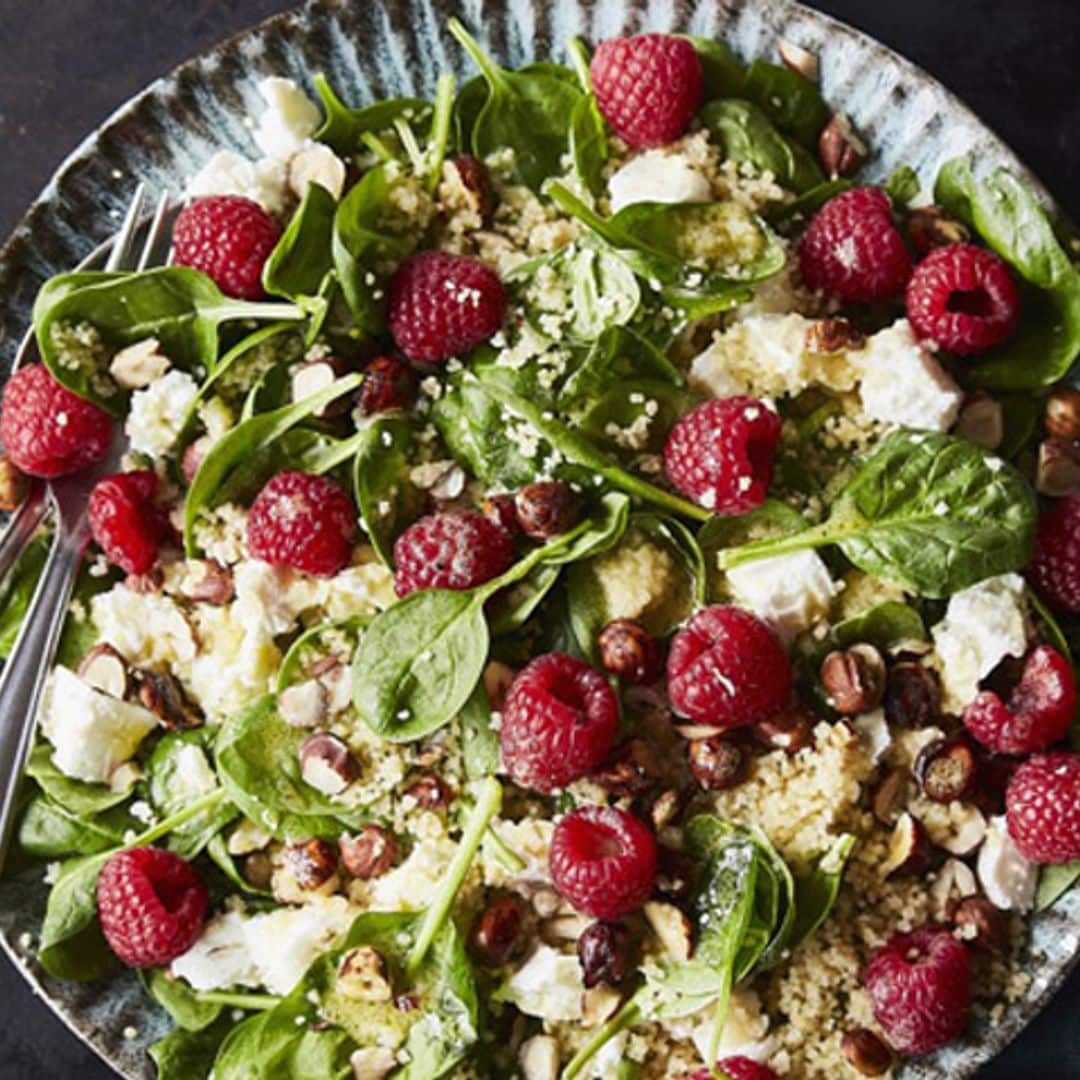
559	721
124	521
228	238
720	454
443	305
303	521
648	87
1042	807
919	986
1055	568
735	1068
853	251
603	860
151	904
388	384
726	667
46	429
453	549
963	299
1039	711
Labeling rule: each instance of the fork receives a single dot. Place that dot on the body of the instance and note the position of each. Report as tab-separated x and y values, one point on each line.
27	669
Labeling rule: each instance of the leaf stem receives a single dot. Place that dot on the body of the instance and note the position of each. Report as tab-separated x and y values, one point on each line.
412	147
626	1017
579	58
491	71
206	802
249	1002
440	129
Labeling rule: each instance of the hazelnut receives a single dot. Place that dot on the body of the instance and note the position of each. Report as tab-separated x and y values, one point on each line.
791	730
1062	416
311	863
675	874
599	1004
672	928
388	384
607	953
854	679
13	485
981	421
801	61
546	508
930	227
302	705
314	376
326	763
952	883
163	696
716	763
627	651
665	808
834	335
362	976
562	928
430	792
912	696
842	152
473	177
106	670
889	796
690	732
866	1053
947	769
501	510
1057	472
539	1058
966	831
139	364
981	924
370	853
208	582
631	769
192	458
910	851
498	935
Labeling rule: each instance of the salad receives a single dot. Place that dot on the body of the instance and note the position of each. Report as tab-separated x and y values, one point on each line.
588	593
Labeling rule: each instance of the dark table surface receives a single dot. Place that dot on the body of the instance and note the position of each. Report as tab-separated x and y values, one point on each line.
66	64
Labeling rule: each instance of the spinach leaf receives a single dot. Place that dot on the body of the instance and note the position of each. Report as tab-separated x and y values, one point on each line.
588	131
189	1055
767	938
790	100
816	893
618	354
931	512
526	111
343	127
479	740
179	1000
50	831
1054	883
18	590
806	204
885	626
310	642
724	74
82	799
301	259
385	497
903	185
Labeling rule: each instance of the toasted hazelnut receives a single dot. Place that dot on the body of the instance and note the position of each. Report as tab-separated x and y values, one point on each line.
672	928
675	874
947	769
912	696
370	853
498	935
866	1053
630	770
1057	472
316	163
716	763
138	365
336	680
801	61
362	976
1062	416
311	863
430	792
314	376
546	902
501	510
627	651
326	763
910	851
257	869
302	705
952	883
842	152
474	181
208	582
373	1062
930	227
106	670
981	924
791	730
599	1004
539	1058
981	421
163	696
854	679
13	484
665	808
388	385
497	680
889	796
193	456
833	336
546	508
607	953
966	832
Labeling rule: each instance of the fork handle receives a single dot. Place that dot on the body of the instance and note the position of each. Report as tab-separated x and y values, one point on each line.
22	526
28	667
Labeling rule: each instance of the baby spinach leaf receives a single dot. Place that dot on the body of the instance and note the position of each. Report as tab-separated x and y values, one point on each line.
50	831
479	740
17	591
385	496
806	204
84	800
722	70
816	893
588	131
1054	883
790	100
189	1055
510	609
772	916
343	127
301	259
617	355
179	1000
931	512
885	626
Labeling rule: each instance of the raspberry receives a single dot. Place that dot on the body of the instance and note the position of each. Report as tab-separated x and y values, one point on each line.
919	986
1038	713
603	860
124	521
454	549
648	87
559	721
388	384
735	1068
851	249
1042	807
1055	568
303	521
151	904
228	238
963	298
727	668
443	305
46	429
720	454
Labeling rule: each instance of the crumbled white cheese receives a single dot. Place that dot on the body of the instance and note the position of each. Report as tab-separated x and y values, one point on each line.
157	413
145	628
790	592
873	728
414	883
359	590
228	173
547	985
220	958
192	775
270	599
290	118
236	664
657	176
745	1031
1007	878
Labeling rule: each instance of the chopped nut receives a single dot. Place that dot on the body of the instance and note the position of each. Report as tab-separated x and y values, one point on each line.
139	364
430	792
316	163
497	680
312	863
607	954
866	1053
146	584
930	227
539	1058
208	582
1058	470
854	679
910	851
373	1062
336	680
501	510
666	807
314	376
631	769
546	508
370	853
498	934
801	61
563	928
163	696
912	696
106	670
981	421
981	924
675	874
966	834
473	178
954	881
627	651
716	763
672	928
1062	416
362	976
842	152
690	732
13	485
246	838
302	705
791	730
599	1004
388	385
947	769
834	335
889	796
326	763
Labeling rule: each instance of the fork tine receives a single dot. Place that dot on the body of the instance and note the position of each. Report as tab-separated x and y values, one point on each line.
155	233
120	255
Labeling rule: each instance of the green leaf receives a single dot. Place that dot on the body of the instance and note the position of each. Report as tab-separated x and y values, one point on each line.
1054	883
480	748
189	1055
790	100
17	591
885	626
816	893
723	72
301	258
903	185
50	831
308	646
179	1000
385	497
343	127
619	354
81	798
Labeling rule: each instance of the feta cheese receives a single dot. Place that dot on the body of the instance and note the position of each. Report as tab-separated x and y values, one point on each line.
983	624
1007	878
192	775
228	173
548	985
414	883
530	840
291	117
874	731
92	733
373	1062
237	664
157	413
903	384
147	629
359	590
220	958
745	1031
316	163
270	599
656	176
539	1058
790	592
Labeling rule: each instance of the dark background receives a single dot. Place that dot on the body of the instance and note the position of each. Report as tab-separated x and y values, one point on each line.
66	64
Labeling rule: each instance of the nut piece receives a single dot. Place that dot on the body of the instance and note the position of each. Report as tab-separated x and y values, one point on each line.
539	1058
840	149
314	376
362	976
388	384
546	508
302	705
153	581
833	336
13	485
791	730
930	227
258	870
607	954
139	364
498	933
316	163
952	883
672	928
912	696
981	924
373	1062
947	769
627	651
966	831
208	582
910	851
430	792
1062	416
866	1053
326	763
501	510
106	670
370	853
890	796
475	185
981	421
854	679
1058	470
164	697
599	1004
801	61
675	874
630	771
716	763
666	807
311	863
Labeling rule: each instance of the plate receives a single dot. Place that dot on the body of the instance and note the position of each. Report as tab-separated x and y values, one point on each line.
371	50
